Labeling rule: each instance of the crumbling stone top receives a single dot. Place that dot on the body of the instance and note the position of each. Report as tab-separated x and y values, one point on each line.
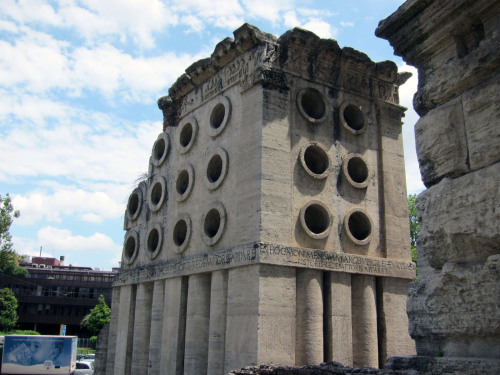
298	52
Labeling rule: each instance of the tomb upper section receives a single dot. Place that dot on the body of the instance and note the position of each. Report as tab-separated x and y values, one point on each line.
255	57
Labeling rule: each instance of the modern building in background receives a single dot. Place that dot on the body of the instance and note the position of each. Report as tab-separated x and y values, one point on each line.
53	294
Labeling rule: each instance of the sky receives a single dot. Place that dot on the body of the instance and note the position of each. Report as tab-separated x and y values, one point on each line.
79	83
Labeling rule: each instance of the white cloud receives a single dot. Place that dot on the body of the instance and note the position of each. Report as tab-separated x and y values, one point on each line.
64	241
268	10
197	14
94	19
311	19
346	24
79	154
40	63
95	250
321	28
90	206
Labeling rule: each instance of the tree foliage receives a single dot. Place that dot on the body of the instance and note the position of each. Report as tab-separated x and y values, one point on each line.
414	225
9	259
8	309
97	318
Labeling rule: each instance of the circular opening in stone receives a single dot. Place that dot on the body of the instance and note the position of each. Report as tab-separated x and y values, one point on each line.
133	204
156	193
353	117
214	168
212	223
159	149
130	247
359	225
153	240
316	159
316	218
313	105
186	134
180	232
182	182
217	116
357	169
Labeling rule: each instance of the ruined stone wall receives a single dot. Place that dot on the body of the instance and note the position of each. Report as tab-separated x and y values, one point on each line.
272	226
454	308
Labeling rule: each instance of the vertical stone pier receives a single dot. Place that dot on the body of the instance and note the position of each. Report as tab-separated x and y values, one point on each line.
272	226
453	308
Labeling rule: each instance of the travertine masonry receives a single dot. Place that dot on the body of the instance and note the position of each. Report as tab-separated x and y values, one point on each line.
273	220
453	309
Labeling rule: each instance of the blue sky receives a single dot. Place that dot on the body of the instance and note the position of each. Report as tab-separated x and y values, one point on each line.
79	81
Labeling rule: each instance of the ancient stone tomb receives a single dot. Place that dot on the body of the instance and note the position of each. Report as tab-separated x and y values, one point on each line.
272	226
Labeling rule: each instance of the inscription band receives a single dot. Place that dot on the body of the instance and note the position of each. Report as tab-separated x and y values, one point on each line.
263	253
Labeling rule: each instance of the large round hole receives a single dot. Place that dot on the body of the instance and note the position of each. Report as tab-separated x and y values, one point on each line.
357	169
217	116
313	105
153	240
353	117
212	223
182	182
316	218
159	149
130	246
180	232
157	193
186	134
134	204
214	168
359	226
316	159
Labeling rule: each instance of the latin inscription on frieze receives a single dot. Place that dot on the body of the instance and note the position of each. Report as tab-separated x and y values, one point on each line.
267	254
229	75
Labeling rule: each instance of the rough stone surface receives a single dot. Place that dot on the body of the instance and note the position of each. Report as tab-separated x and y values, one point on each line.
410	365
453	308
273	217
461	220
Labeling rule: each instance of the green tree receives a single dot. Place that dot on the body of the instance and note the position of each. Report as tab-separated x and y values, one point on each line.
9	259
97	318
8	310
414	225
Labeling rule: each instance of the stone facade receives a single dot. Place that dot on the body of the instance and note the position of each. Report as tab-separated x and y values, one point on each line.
272	226
454	309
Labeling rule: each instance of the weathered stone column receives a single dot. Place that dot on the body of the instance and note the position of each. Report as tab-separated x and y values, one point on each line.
124	337
142	328
338	318
217	328
453	307
156	328
260	330
174	326
309	337
113	330
364	321
197	323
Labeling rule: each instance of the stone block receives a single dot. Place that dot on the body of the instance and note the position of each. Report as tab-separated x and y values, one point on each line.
459	222
481	107
441	143
454	313
391	303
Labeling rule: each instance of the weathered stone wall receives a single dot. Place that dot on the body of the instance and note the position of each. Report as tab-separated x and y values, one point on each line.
272	226
454	308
